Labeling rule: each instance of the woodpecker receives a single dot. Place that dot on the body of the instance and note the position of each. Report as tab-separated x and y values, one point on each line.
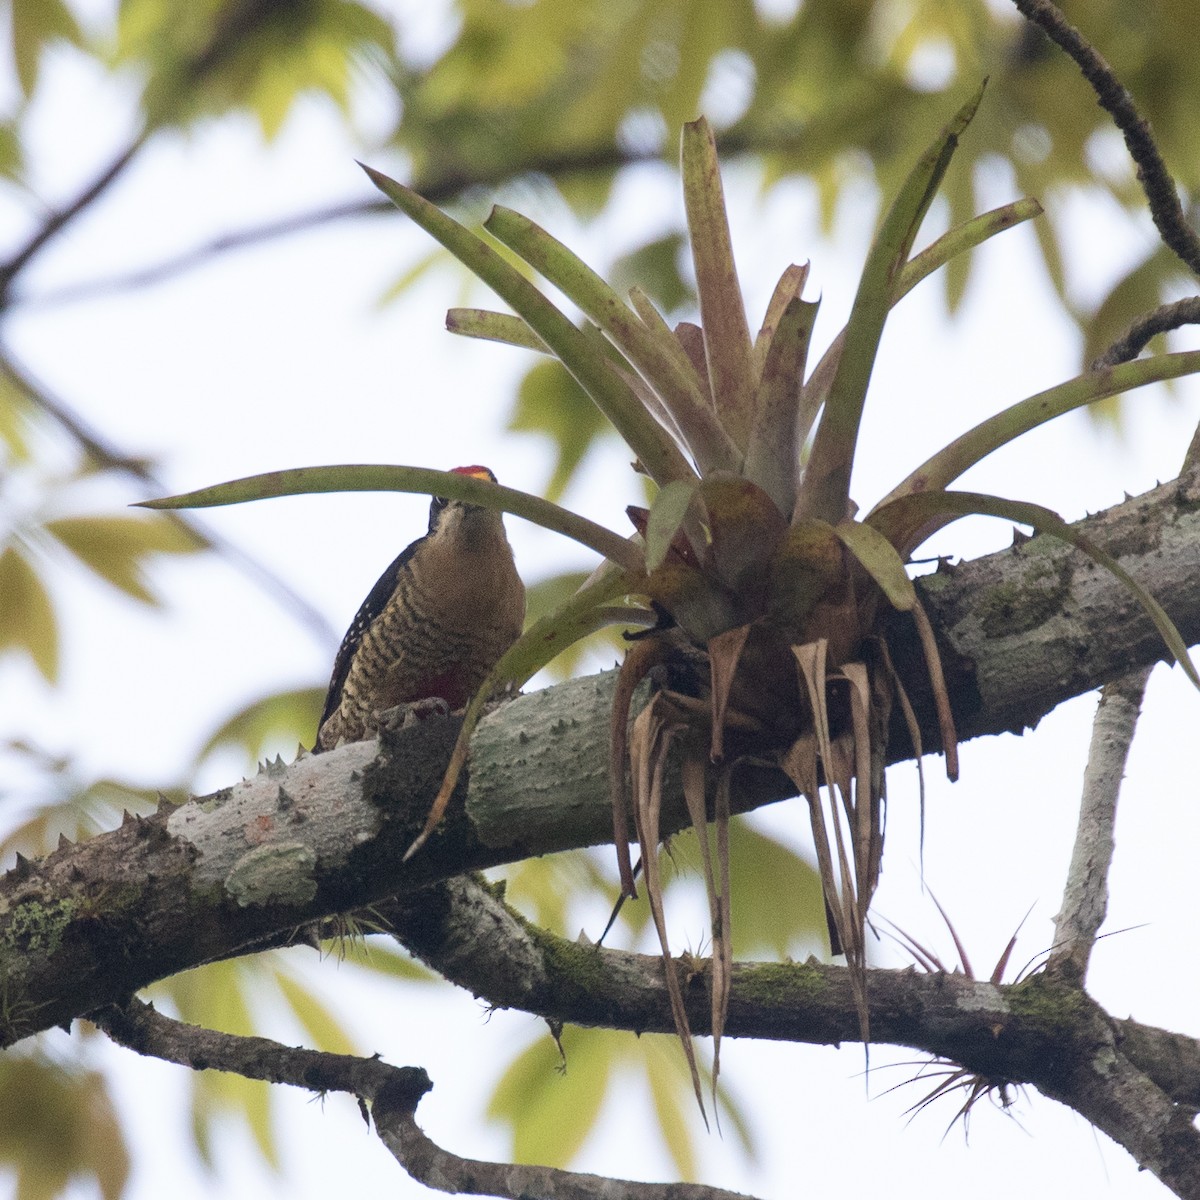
434	624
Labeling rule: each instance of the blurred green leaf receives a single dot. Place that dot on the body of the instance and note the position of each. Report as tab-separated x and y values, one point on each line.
550	1108
1137	292
116	547
550	402
213	55
15	420
27	620
778	906
217	996
959	190
58	1126
413	273
390	959
671	1091
654	268
36	23
319	1021
276	724
76	812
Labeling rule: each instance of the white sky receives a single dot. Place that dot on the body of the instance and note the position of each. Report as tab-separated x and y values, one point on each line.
278	357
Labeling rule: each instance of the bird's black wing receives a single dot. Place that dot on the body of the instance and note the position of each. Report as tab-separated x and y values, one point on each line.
370	608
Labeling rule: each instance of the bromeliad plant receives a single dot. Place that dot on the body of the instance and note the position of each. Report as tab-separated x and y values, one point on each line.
750	562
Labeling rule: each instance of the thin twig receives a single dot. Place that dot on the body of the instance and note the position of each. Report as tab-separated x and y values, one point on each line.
237	23
1085	898
393	1092
200	254
62	217
1152	171
1133	341
444	187
104	454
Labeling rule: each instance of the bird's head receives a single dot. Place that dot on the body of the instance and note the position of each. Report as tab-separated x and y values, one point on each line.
452	516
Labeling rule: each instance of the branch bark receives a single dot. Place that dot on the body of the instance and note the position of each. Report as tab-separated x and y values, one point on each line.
1136	1083
1085	899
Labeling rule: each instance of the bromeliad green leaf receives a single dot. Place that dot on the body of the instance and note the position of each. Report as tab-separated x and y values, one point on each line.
722	310
937	254
881	561
921	509
773	455
826	487
976	444
649	347
494	327
303	481
666	516
659	455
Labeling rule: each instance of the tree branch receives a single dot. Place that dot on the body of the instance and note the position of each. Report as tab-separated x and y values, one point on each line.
1085	899
1162	320
1124	1077
60	218
1152	171
92	923
393	1093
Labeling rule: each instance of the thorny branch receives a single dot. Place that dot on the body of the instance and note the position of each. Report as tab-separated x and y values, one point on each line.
1162	320
393	1094
1085	898
1122	1077
1152	171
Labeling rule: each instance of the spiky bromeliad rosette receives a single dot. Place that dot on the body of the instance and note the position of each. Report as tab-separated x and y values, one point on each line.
750	561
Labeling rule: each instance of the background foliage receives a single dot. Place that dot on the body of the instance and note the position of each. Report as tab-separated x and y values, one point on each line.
553	106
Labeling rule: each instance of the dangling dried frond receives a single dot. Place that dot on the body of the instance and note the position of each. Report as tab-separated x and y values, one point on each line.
941	695
643	656
724	654
654	729
849	766
716	884
914	736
